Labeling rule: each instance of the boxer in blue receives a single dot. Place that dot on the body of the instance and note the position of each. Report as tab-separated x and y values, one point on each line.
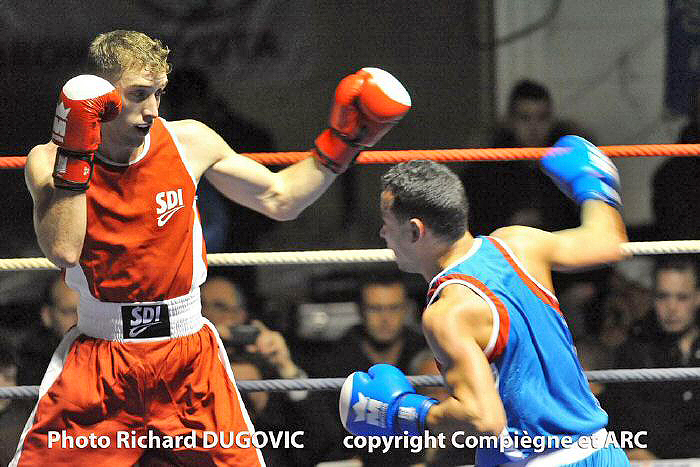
492	319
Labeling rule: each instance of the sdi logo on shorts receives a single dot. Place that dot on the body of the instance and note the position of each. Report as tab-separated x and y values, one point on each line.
169	202
142	321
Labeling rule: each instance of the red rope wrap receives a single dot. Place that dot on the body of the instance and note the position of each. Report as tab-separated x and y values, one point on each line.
447	155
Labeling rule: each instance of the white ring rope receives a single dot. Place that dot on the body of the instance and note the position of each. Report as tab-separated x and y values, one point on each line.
661	248
343	256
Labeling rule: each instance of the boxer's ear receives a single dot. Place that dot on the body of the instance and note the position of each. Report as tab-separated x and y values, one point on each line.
417	229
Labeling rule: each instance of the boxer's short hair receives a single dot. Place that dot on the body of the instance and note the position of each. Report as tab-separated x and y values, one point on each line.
431	192
113	53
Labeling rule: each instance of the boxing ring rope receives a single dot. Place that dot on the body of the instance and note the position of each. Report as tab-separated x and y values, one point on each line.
274	258
643	375
446	155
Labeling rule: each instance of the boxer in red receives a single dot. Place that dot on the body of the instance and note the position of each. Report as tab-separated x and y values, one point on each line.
115	206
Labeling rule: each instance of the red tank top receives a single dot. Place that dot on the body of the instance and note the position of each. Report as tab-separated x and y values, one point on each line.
144	239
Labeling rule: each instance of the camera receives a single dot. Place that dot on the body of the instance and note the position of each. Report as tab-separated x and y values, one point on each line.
242	335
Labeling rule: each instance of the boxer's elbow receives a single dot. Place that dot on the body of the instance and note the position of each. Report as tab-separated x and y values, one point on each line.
486	420
63	257
611	248
283	212
62	253
281	205
490	423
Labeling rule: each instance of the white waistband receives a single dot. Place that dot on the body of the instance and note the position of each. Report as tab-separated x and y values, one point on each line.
178	317
574	453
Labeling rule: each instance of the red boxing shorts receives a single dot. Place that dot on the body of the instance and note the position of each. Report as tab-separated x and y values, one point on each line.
109	402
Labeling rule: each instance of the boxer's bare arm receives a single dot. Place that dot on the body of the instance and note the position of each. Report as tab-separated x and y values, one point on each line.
280	195
60	216
596	241
458	327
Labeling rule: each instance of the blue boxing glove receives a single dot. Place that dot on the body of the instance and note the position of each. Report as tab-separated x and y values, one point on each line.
382	402
582	171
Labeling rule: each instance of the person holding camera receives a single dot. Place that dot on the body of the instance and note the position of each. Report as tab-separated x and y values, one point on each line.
224	304
257	352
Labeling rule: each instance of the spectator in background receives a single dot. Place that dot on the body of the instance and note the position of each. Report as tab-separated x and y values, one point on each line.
667	337
517	192
594	357
270	411
383	337
531	120
625	302
59	313
189	95
256	352
224	304
13	412
690	133
675	185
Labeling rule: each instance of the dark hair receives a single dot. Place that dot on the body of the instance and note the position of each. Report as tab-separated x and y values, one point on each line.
431	192
241	296
382	277
527	89
678	263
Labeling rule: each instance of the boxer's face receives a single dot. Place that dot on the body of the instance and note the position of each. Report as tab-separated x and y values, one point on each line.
141	91
396	234
676	299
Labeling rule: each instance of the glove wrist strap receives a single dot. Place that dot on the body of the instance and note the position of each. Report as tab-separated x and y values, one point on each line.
335	152
586	188
411	413
72	170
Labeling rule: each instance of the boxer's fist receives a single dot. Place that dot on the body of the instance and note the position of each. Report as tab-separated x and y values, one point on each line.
85	102
582	171
382	402
366	105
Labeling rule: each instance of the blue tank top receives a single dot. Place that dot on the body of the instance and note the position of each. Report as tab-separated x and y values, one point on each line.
540	380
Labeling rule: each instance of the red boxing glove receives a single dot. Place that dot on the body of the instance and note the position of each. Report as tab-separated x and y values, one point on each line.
85	102
367	105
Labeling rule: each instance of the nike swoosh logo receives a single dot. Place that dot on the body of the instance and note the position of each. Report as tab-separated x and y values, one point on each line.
139	329
165	217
